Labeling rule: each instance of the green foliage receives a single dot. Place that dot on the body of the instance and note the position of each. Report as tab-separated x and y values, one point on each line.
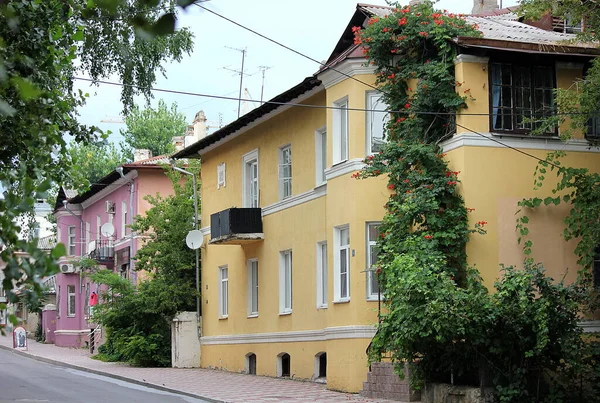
153	129
91	162
39	44
138	321
438	316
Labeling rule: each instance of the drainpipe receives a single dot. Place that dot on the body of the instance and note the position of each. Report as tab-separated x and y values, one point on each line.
132	234
183	171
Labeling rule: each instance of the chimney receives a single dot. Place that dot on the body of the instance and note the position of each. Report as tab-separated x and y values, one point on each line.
197	130
178	142
484	6
142	154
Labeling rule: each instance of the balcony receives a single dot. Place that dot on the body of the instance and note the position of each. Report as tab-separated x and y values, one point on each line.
102	251
236	226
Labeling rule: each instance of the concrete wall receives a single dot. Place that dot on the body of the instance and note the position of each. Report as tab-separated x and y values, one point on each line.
185	336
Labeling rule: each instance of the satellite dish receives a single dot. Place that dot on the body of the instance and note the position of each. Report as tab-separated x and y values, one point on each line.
107	229
194	239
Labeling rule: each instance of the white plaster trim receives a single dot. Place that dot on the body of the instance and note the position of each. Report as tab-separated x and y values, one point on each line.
110	188
525	142
262	119
343	168
72	332
349	67
329	333
295	200
126	239
569	65
464	58
62	212
205	231
590	326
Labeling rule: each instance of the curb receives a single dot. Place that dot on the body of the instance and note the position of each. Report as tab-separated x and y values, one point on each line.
109	375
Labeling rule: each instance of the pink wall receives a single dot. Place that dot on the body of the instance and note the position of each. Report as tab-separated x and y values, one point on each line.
149	181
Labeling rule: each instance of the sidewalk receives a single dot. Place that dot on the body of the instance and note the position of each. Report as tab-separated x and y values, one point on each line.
206	384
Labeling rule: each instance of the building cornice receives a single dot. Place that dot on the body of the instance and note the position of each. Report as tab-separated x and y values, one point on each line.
525	142
116	185
329	333
344	70
344	168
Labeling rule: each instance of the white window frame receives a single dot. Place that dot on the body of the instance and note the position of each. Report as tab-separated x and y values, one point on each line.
320	156
123	219
223	292
247	160
322	273
370	271
285	282
71	240
98	228
221	175
285	183
339	276
252	288
71	305
341	138
374	102
88	230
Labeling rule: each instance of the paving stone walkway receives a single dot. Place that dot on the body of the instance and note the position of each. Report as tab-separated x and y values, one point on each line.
208	384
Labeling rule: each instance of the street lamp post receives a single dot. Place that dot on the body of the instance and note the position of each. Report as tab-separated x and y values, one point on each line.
183	171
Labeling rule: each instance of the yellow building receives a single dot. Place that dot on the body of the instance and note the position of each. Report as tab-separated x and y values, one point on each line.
289	233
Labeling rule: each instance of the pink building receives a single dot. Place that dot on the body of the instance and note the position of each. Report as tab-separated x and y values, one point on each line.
95	224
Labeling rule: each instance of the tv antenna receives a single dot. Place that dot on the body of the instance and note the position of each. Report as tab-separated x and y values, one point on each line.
241	73
263	69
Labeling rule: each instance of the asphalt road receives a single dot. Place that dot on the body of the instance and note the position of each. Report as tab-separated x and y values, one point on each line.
26	380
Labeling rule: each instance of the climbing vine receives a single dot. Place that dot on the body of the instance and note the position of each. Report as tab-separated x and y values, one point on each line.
439	317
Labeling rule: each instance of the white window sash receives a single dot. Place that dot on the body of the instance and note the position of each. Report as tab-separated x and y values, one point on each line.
71	301
250	180
340	131
223	292
375	121
285	172
341	264
372	283
285	282
320	155
252	287
322	275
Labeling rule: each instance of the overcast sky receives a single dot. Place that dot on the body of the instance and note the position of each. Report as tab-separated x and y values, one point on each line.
312	27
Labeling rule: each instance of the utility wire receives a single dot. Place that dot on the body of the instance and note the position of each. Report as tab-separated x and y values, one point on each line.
227	98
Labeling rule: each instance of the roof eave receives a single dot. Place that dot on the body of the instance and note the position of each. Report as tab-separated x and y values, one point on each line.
525	47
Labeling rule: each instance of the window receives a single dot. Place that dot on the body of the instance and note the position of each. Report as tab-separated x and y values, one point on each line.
341	238
377	119
320	155
322	275
71	240
285	282
250	174
283	365
567	26
593	129
372	281
520	92
58	301
123	219
223	292
70	300
340	131
285	172
98	228
252	287
221	175
87	237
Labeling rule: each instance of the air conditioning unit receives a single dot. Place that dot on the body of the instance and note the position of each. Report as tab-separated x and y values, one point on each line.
67	268
110	207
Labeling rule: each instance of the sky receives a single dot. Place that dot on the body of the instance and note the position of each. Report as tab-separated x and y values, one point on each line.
311	27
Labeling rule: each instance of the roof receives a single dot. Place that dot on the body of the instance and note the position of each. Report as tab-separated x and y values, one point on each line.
273	104
72	197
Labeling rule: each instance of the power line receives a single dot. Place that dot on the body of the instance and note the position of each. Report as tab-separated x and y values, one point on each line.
236	99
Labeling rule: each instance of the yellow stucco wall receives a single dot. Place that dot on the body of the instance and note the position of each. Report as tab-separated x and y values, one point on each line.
493	180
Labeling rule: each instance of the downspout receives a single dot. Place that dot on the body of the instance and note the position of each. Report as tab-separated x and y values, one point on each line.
132	234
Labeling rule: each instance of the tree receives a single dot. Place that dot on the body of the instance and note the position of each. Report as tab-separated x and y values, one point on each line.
153	129
91	162
138	321
39	44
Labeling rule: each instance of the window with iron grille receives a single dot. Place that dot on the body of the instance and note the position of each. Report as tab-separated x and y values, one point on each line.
521	97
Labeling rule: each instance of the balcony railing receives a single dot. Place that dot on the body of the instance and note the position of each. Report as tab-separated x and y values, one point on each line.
236	226
102	250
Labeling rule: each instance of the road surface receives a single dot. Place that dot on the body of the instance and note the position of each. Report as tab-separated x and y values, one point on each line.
26	380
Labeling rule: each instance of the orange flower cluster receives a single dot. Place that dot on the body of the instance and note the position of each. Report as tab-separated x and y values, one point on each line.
391	186
427	236
470	210
451	183
482	223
